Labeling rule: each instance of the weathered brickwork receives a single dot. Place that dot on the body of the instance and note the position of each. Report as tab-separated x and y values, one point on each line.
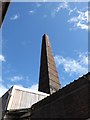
72	101
48	78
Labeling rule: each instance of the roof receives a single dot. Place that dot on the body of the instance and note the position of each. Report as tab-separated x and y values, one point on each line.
29	90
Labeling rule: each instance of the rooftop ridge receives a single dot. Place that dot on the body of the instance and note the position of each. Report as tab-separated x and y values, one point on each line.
64	91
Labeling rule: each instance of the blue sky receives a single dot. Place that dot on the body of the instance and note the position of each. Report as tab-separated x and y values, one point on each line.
22	30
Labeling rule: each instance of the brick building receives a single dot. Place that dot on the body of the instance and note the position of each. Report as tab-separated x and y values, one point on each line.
71	101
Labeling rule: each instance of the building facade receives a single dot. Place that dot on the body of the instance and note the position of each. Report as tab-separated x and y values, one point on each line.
71	101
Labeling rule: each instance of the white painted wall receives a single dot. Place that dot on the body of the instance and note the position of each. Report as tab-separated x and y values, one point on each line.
24	98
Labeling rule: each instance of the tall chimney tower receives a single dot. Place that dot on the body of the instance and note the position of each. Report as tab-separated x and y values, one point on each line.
48	78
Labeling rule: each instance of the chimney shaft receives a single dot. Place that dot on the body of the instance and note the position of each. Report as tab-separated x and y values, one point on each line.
48	78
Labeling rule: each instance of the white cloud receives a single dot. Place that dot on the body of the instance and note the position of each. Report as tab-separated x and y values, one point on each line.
34	87
79	66
15	17
72	10
32	12
2	58
63	5
3	89
84	58
16	78
80	21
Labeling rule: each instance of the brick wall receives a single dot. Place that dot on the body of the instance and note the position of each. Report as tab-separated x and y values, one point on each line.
72	101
